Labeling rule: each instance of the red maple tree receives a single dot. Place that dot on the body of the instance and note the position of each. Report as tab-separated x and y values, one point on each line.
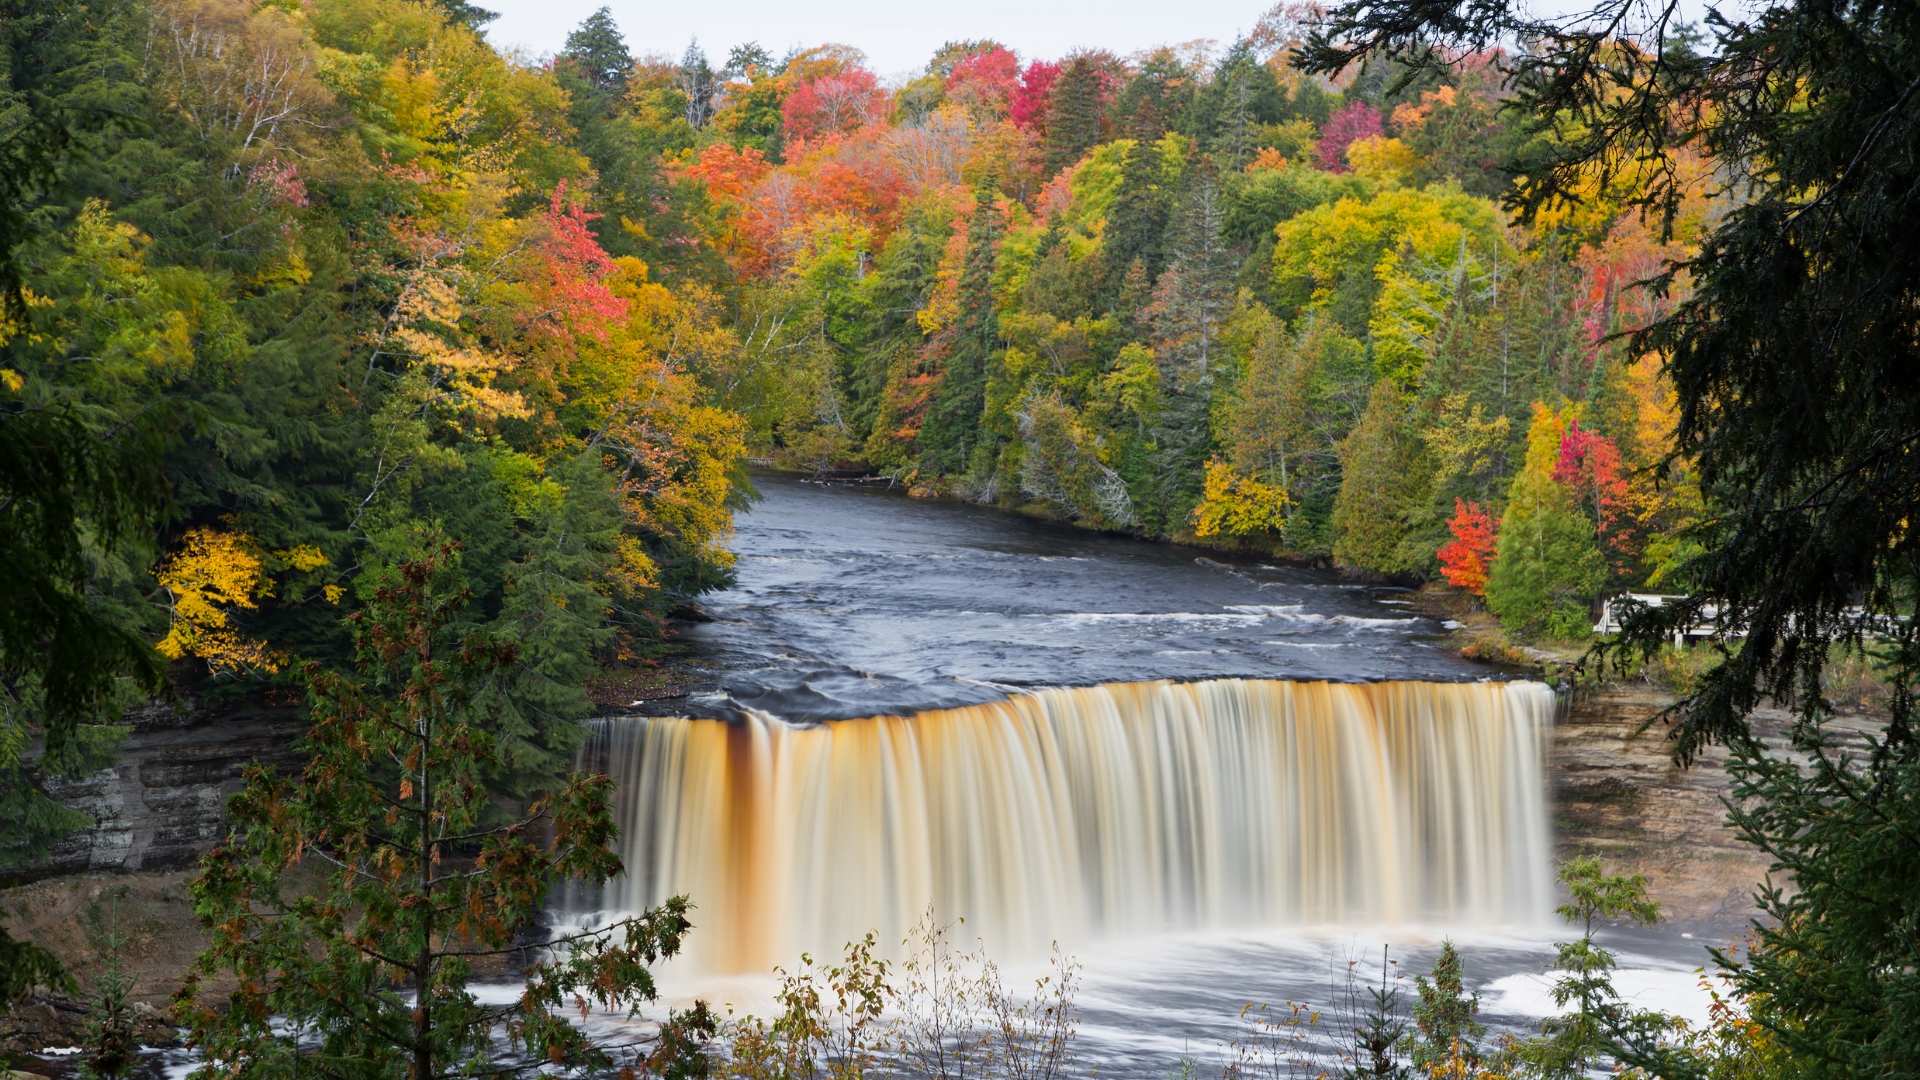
568	283
985	82
1468	558
833	104
1590	467
1344	128
1028	106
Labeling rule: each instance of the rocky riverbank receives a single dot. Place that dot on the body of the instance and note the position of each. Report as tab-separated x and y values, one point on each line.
1618	795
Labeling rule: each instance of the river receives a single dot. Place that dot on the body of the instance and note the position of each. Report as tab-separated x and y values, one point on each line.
854	601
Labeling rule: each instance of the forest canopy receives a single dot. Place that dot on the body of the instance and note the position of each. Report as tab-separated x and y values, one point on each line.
360	283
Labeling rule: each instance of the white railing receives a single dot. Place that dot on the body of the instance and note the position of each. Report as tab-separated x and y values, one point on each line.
1706	623
1703	626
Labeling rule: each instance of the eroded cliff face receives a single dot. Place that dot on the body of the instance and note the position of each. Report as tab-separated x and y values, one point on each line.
165	803
1619	796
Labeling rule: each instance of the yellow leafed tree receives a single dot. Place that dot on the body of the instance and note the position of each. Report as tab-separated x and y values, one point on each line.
1235	505
211	575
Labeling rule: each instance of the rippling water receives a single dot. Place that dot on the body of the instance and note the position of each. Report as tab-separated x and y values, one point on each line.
854	600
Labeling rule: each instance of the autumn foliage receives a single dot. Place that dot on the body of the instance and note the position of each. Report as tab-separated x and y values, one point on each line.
833	104
1344	128
1466	559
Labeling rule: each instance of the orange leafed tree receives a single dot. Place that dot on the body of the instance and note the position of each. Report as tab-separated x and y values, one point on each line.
1468	558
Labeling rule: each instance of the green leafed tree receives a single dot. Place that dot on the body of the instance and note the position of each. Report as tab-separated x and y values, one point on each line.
1378	482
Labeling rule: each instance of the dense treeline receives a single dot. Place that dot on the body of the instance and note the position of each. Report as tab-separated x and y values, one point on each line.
1196	294
386	286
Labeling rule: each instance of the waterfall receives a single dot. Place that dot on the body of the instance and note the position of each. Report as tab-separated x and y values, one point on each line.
1072	813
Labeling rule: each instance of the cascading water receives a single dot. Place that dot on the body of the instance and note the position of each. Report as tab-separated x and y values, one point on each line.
1074	813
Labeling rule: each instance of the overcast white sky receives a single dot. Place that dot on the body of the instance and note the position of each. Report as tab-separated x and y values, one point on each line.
897	35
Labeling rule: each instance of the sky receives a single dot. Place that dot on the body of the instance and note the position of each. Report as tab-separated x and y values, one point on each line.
898	36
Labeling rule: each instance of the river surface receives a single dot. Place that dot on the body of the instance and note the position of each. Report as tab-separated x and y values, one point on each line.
854	600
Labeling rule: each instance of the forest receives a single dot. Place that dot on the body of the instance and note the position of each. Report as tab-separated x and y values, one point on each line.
373	283
335	335
398	284
1198	295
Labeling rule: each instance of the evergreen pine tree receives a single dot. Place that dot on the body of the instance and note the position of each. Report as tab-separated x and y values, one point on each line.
1579	1041
1155	100
1229	112
367	971
598	51
554	618
1136	298
952	431
1189	312
1369	515
1138	218
1073	113
111	1046
469	15
1548	567
1444	1027
1378	1027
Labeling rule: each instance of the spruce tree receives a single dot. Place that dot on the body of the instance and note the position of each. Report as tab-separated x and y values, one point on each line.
1547	568
1138	217
470	15
1155	100
78	478
952	431
555	617
1073	113
1444	1027
598	51
1191	304
1377	484
363	971
1130	310
1229	113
